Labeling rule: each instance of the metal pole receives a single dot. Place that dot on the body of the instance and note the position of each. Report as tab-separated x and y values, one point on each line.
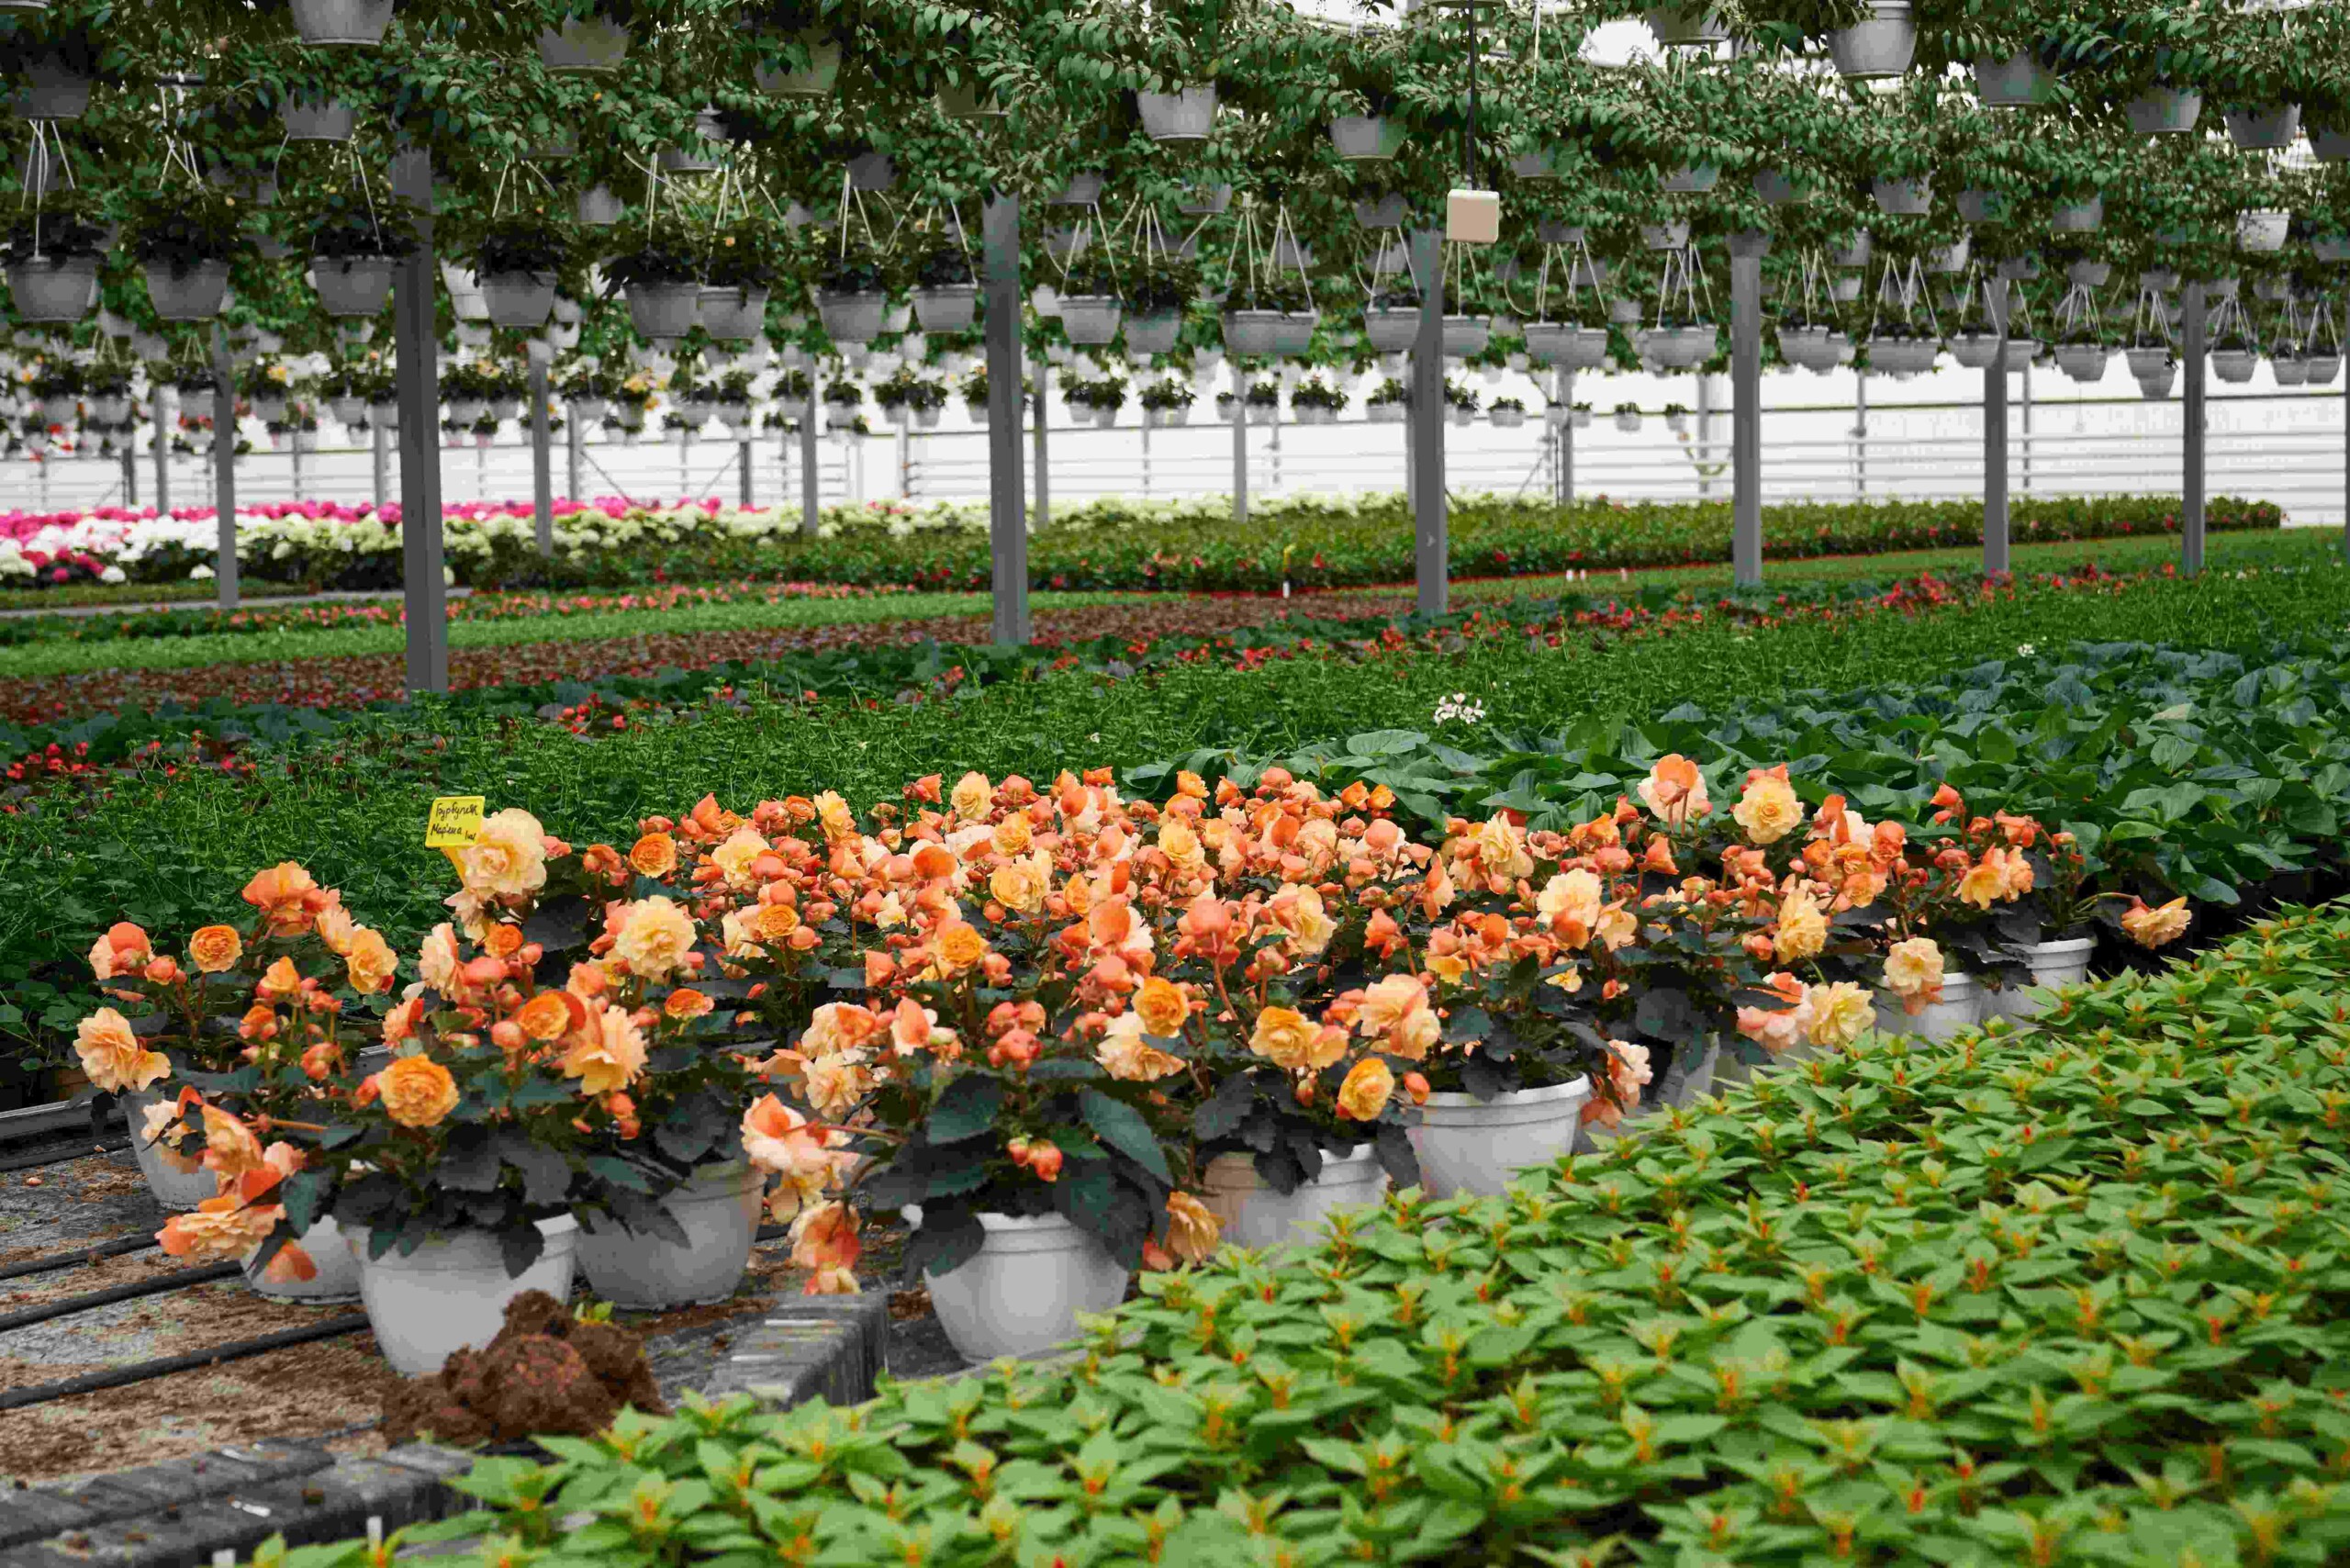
574	482
1044	516
129	472
2025	385
381	461
294	438
542	461
1240	445
1007	521
1431	536
224	469
418	350
748	458
1567	440
1705	429
1273	446
162	450
808	505
2191	544
1861	433
1746	420
1994	439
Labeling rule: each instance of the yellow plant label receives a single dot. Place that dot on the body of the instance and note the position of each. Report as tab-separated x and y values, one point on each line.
455	823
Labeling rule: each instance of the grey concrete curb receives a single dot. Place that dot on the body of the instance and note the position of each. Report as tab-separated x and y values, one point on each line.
177	1515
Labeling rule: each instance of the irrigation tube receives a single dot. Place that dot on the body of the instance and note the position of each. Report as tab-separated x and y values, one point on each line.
173	1280
103	1249
139	1371
54	1157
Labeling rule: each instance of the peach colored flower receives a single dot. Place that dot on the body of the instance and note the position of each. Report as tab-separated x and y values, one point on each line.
1767	809
507	858
654	855
123	950
685	1002
371	962
287	896
1839	1012
1193	1229
1366	1090
607	1054
417	1092
1299	911
1616	927
837	1085
1162	1007
550	1015
1125	1053
1913	971
1776	1030
1570	903
1022	885
652	936
960	945
335	926
436	960
1292	1040
1397	1009
972	797
834	817
736	856
221	1230
112	1055
1012	836
838	1027
215	949
1801	931
1674	791
2155	926
824	1238
1986	882
160	1129
230	1148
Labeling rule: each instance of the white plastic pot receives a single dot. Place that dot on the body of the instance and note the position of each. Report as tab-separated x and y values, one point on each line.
1960	1009
176	1189
1693	178
1688	1076
1665	236
2235	366
1023	1291
1387	212
2261	130
450	1293
2019	82
1772	187
1366	138
1155	333
817	81
355	24
1468	1144
1188	114
732	315
518	300
338	1268
850	318
195	293
1092	319
663	311
315	119
2262	233
2164	111
2330	143
51	90
1253	1215
2053	964
1466	335
598	207
352	286
1903	198
583	46
53	289
719	1210
1978	206
2077	217
1687	25
1881	44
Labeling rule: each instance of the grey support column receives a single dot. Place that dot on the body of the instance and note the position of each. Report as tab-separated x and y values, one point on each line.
542	461
224	469
1430	532
156	394
2191	544
1746	419
381	461
809	501
746	455
1007	491
418	348
1044	516
1566	479
1994	439
1240	445
129	470
572	436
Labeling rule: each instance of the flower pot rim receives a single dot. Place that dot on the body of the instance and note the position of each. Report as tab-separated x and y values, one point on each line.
2065	943
1361	1153
1452	1099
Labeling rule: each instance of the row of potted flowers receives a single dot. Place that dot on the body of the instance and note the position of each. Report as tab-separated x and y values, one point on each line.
1065	1034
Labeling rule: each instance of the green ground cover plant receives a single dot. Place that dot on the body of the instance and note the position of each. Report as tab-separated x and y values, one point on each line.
349	799
2069	1296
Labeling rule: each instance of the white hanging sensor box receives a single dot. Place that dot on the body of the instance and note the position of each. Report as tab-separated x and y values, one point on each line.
1473	218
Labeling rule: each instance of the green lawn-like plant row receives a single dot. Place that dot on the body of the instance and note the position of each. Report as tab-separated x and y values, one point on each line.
350	801
2073	1295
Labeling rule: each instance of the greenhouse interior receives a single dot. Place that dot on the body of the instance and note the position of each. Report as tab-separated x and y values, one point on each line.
1077	783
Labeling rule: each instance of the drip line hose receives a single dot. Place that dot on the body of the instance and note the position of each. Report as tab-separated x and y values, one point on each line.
58	1156
139	1371
178	1278
103	1249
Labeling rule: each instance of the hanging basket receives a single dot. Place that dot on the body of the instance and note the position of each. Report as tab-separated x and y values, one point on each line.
1623	312
1538	165
1187	114
2262	231
1366	138
1688	26
1252	334
850	318
347	24
1387	212
2088	273
1751	242
733	315
1203	201
314	119
962	102
584	46
2323	368
816	80
663	311
522	301
952	309
2290	370
2265	131
51	90
1844	287
2019	82
1153	334
598	207
2333	248
1390	330
2235	366
2084	363
1551	231
2157	387
1466	335
1882	44
1977	205
2077	217
2164	111
1692	179
2331	144
352	286
53	288
1665	236
1091	320
2146	363
1903	198
1975	350
1294	332
189	294
1772	187
1947	260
